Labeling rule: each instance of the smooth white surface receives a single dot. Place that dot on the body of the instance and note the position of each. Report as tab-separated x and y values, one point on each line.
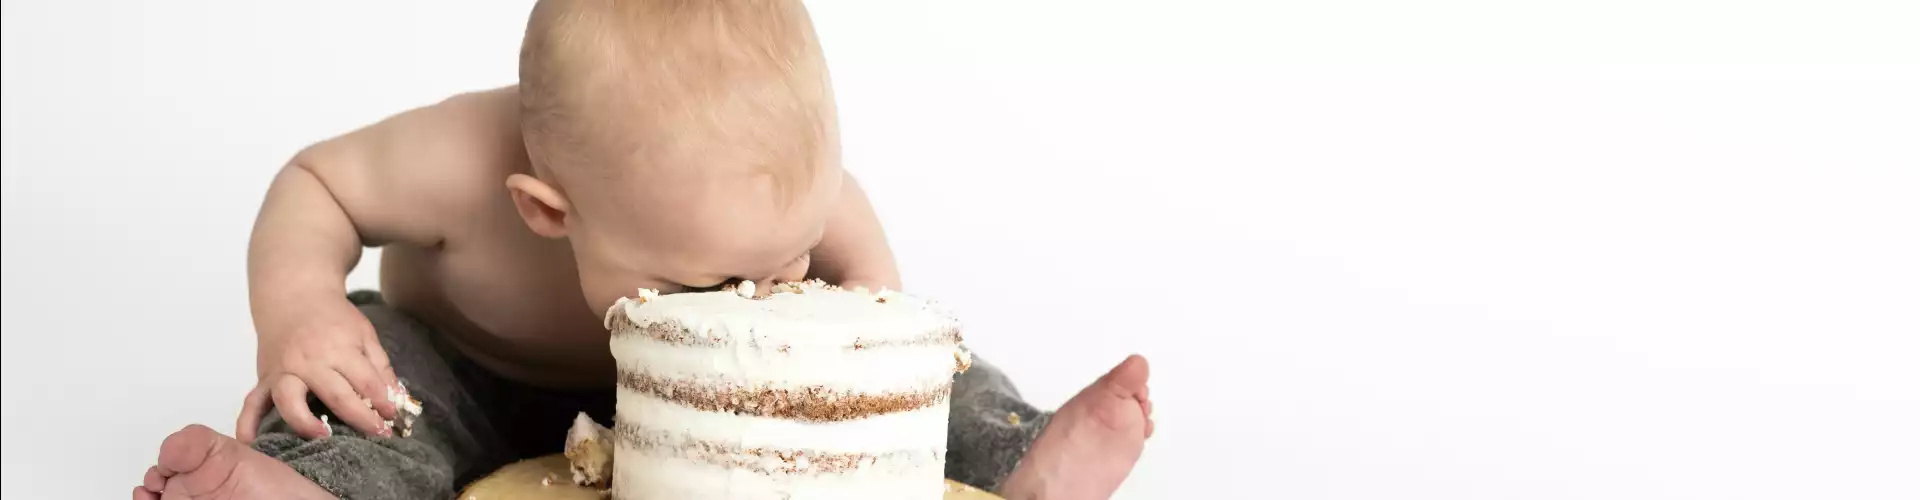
1370	254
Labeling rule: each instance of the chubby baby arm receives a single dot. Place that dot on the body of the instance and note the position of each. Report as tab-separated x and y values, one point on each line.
310	337
388	183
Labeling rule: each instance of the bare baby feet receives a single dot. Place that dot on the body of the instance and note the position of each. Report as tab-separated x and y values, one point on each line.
197	463
1092	442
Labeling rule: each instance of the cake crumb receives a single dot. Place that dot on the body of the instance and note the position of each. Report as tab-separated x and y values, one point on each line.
1013	418
589	452
407	410
745	288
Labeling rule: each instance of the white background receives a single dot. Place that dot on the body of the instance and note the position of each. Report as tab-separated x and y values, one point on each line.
1374	249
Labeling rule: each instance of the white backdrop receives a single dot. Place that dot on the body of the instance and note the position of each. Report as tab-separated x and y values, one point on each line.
1375	249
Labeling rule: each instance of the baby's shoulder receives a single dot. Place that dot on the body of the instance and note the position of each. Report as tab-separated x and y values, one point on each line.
477	132
467	141
428	168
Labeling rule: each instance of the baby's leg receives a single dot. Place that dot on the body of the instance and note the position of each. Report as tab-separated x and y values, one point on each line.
451	444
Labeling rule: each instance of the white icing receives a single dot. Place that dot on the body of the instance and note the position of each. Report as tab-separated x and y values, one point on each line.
815	317
640	297
584	429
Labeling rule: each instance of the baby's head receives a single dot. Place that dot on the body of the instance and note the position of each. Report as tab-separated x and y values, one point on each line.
676	144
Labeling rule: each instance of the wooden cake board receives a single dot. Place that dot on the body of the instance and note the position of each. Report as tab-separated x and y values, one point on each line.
548	478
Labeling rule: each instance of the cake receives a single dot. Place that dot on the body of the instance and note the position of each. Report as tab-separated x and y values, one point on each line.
808	392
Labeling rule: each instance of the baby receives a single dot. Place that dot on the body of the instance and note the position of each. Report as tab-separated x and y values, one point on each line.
673	145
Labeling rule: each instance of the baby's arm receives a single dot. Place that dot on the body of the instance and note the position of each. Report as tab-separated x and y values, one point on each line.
854	251
386	183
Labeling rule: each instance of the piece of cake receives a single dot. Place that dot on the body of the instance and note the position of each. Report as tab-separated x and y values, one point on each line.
589	452
811	392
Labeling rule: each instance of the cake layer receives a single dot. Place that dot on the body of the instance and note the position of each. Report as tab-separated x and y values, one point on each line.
922	430
771	461
895	368
813	404
645	476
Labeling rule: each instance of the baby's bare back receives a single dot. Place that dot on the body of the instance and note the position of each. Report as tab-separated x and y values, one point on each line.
428	187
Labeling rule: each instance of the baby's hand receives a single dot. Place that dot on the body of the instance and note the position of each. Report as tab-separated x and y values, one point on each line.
335	354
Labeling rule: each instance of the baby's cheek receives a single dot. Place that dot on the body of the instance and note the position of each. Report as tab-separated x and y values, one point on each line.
601	293
599	300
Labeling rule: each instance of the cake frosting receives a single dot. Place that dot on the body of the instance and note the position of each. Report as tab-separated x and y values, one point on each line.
809	392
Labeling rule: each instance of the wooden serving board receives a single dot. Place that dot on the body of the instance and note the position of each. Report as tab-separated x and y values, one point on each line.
548	478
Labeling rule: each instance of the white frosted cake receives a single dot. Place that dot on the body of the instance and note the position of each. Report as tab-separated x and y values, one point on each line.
810	392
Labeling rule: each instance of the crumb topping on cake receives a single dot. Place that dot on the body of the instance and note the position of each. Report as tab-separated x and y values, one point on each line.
812	403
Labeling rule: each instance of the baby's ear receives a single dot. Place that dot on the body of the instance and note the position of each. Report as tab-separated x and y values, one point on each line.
540	205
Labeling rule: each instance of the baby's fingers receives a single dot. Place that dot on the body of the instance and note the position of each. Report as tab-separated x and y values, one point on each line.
383	366
290	397
345	403
368	383
254	409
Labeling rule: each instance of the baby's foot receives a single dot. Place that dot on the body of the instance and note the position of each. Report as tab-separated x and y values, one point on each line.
200	464
1091	443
